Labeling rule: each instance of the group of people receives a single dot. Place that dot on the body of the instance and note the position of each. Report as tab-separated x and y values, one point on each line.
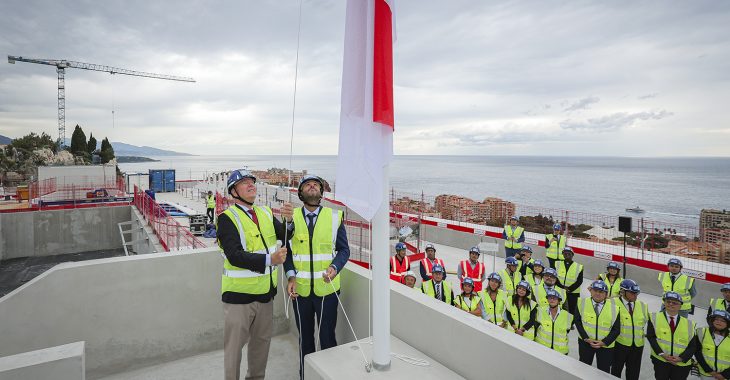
543	303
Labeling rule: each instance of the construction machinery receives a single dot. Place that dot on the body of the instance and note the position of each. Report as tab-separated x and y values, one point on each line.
62	65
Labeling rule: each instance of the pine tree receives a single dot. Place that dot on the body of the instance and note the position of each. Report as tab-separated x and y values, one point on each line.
107	151
91	145
78	142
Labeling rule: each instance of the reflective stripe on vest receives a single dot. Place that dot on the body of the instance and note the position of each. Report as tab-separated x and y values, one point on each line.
598	326
569	277
613	289
426	263
672	344
555	250
541	295
313	257
716	356
509	283
397	270
475	274
516	234
254	239
462	303
553	334
717	304
632	326
682	286
430	290
494	309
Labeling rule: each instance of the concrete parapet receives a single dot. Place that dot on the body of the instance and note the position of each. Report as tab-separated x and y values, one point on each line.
64	362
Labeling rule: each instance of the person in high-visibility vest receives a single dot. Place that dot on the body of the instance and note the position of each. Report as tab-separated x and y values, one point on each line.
521	312
598	325
550	282
210	206
409	280
552	324
570	278
437	288
525	262
510	276
399	264
473	269
535	278
713	354
720	303
319	253
468	300
247	236
612	278
554	244
494	300
629	347
675	281
514	236
429	261
672	339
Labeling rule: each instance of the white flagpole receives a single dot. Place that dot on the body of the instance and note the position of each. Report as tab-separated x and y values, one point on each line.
380	260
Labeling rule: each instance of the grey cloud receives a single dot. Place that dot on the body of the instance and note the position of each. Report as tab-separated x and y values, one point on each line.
613	121
582	103
648	96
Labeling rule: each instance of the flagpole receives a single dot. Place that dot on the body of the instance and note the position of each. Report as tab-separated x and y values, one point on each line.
379	260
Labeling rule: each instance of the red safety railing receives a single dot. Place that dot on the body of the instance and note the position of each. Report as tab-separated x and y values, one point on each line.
172	235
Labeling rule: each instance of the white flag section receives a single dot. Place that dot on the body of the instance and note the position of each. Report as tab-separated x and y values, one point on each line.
366	115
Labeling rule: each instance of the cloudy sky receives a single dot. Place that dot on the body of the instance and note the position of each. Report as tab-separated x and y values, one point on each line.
626	78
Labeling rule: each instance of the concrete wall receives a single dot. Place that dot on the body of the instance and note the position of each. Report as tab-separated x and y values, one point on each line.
131	311
48	233
55	363
646	278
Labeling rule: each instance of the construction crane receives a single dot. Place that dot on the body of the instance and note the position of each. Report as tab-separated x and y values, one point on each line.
62	65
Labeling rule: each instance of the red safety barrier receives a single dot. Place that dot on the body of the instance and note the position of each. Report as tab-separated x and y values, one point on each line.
171	234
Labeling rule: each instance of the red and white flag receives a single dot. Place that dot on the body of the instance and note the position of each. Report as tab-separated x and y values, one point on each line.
366	114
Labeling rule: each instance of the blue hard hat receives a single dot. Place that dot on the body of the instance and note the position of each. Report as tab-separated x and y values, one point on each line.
613	265
672	296
674	261
720	313
495	276
400	246
437	268
526	248
551	272
599	285
557	227
538	262
553	293
236	176
515	217
630	286
725	286
568	249
467	281
524	284
510	261
475	250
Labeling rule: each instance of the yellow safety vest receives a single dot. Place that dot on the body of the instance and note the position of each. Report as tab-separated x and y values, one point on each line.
598	326
632	325
682	286
716	356
613	289
717	304
211	202
530	278
555	250
672	344
494	309
521	316
553	334
429	289
528	271
569	277
540	294
509	283
313	257
255	240
516	233
470	304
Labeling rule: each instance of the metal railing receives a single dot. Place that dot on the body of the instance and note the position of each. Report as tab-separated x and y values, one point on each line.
172	235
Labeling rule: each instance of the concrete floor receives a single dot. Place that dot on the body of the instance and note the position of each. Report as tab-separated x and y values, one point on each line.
283	365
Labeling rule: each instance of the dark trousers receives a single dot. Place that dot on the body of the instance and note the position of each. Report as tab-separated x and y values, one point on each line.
629	356
211	214
604	356
572	302
667	371
511	252
307	308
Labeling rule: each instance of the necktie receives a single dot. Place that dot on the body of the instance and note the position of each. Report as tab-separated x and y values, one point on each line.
674	279
253	216
596	308
310	224
438	291
671	324
631	308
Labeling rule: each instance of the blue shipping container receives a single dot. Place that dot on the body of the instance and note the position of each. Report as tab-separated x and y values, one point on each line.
162	181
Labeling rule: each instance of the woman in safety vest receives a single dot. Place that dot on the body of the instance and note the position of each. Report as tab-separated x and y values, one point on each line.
521	312
612	278
714	355
535	278
468	300
494	300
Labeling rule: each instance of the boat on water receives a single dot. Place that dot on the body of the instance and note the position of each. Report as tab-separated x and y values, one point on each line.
636	209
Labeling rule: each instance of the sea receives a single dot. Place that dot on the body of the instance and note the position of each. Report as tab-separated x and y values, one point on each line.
671	190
